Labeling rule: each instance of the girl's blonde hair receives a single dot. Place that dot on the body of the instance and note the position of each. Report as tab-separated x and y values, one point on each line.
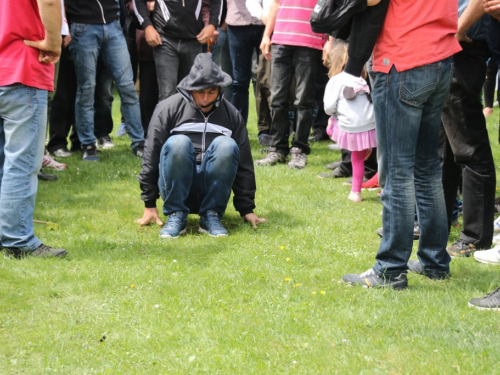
337	59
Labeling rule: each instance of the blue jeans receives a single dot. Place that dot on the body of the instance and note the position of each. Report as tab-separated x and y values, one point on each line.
243	41
23	122
174	59
285	62
88	43
191	188
408	114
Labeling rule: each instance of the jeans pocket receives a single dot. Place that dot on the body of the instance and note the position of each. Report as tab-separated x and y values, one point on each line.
20	105
78	28
417	84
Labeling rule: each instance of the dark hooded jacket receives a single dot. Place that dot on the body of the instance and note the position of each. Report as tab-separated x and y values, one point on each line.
179	19
178	114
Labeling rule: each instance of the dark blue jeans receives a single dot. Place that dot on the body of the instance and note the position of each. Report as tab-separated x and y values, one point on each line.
408	114
243	41
285	62
88	43
191	188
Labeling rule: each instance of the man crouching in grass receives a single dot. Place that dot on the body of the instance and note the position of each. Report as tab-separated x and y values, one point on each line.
197	149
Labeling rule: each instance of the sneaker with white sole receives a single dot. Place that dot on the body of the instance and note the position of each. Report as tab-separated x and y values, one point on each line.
369	279
299	158
334	147
175	225
272	158
48	162
491	256
496	239
62	153
488	302
105	142
90	153
210	224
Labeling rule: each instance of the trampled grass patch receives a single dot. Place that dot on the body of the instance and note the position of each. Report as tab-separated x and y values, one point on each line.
265	301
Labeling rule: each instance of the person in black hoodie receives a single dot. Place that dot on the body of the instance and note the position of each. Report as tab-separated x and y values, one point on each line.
177	32
196	151
96	32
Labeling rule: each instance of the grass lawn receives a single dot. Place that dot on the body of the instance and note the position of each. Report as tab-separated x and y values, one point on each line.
265	301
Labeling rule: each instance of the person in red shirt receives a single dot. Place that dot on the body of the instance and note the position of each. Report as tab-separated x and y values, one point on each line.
30	43
413	60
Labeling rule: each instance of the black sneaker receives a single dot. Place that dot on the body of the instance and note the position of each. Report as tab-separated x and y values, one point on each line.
334	165
90	153
461	249
41	251
488	302
139	150
369	279
105	142
416	267
46	177
318	137
336	173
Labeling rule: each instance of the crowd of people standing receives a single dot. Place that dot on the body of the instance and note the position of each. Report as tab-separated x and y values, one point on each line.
415	108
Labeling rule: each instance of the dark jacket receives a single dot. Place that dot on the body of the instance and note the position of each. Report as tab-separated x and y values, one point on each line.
179	19
362	32
93	11
179	115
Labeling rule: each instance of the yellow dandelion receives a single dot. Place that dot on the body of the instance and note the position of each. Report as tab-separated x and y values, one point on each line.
287	259
132	286
322	292
147	267
298	284
313	293
287	279
282	247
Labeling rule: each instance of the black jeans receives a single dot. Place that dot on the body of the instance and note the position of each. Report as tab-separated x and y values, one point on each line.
287	60
321	120
62	116
469	147
173	60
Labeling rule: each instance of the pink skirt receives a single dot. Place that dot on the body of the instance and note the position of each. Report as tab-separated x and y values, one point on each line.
352	141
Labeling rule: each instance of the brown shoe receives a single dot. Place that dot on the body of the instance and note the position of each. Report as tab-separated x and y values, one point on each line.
41	251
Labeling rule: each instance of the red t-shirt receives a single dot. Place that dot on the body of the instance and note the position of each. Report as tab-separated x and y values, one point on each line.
20	20
416	33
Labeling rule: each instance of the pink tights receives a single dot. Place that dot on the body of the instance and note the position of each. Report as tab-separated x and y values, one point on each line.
358	169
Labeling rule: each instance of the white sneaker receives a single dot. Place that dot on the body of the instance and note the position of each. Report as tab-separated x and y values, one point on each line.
105	142
491	256
496	225
496	239
334	147
48	162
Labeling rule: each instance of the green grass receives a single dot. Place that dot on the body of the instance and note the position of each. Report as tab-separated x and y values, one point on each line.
265	301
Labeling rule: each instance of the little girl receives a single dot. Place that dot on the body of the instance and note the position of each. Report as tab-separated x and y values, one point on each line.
352	124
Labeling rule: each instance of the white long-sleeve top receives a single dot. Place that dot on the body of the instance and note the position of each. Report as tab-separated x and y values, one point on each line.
354	115
257	8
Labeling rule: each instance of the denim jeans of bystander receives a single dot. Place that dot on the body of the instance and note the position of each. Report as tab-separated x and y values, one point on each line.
88	43
408	108
23	121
